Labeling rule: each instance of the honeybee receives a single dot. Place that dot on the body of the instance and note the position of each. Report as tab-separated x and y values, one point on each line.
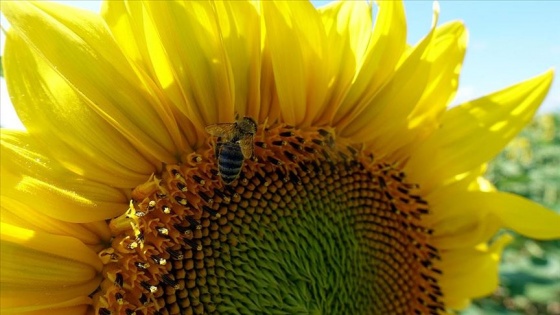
234	145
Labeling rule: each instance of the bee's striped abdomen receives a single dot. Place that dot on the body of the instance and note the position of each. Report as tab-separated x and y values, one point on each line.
230	161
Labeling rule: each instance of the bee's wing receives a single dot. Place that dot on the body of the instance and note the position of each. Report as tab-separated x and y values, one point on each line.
226	131
246	144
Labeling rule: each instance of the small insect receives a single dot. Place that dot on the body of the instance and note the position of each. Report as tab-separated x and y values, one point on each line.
233	146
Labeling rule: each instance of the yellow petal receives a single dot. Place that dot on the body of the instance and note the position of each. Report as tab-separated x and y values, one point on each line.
446	58
384	51
55	115
461	219
79	308
239	24
348	27
525	217
127	26
20	214
461	266
91	83
472	180
39	182
190	61
137	34
384	118
270	104
476	131
69	271
301	75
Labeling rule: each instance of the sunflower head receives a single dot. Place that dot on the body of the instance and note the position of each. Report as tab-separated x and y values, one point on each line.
250	157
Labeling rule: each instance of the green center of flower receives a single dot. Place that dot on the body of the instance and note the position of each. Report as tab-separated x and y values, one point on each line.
310	226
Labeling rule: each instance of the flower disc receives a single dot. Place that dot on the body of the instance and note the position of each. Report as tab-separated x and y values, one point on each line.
312	225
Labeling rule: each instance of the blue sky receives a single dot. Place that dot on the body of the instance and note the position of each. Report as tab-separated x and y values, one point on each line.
509	41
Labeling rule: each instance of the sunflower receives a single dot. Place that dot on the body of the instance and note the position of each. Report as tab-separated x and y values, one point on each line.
358	192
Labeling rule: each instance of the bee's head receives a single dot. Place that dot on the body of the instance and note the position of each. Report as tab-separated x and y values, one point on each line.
247	125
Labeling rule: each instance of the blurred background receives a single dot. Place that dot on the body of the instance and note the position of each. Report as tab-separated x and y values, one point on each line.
509	41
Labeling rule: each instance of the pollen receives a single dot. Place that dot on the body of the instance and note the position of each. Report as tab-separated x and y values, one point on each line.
313	224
